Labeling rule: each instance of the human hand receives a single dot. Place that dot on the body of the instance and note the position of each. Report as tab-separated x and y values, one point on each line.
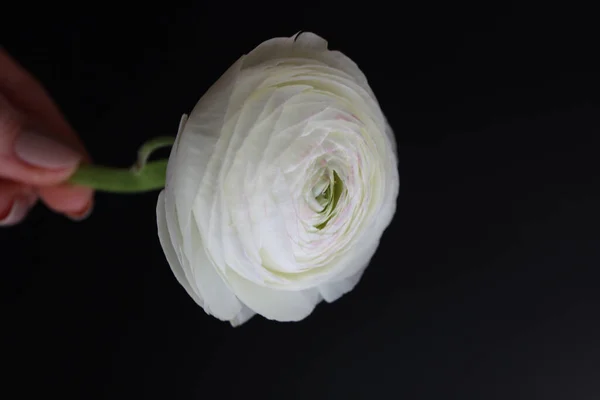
39	151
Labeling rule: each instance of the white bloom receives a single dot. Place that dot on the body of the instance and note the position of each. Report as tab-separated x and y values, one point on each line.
279	185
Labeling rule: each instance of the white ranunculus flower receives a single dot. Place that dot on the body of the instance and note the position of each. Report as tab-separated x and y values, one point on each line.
279	185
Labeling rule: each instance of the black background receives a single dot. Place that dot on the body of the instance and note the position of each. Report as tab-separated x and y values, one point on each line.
485	286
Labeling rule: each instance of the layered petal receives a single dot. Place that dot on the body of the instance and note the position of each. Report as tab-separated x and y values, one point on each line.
169	250
196	144
331	291
278	305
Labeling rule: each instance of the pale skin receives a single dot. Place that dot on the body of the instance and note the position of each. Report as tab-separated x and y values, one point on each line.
39	150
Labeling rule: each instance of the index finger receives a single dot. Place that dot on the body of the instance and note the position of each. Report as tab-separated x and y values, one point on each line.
29	96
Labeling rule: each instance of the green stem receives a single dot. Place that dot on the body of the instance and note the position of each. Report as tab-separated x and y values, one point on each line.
144	176
149	147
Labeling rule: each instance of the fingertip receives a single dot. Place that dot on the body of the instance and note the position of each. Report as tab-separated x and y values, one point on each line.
82	214
32	155
15	208
76	202
45	151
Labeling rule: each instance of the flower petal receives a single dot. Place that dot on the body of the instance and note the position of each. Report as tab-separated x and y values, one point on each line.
169	250
242	317
311	46
196	144
306	44
279	305
219	300
332	291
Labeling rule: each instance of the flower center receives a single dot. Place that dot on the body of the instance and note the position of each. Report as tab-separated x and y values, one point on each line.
328	197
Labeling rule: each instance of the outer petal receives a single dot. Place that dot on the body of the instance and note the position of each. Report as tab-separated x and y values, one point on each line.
309	45
196	144
169	250
334	290
275	304
242	317
172	221
219	300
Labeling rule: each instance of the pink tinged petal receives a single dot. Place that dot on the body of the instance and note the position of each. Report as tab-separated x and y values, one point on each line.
279	305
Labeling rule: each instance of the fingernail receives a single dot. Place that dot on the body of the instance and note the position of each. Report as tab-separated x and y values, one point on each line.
19	209
41	151
83	214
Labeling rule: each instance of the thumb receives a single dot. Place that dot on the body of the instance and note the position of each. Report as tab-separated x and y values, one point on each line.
29	155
